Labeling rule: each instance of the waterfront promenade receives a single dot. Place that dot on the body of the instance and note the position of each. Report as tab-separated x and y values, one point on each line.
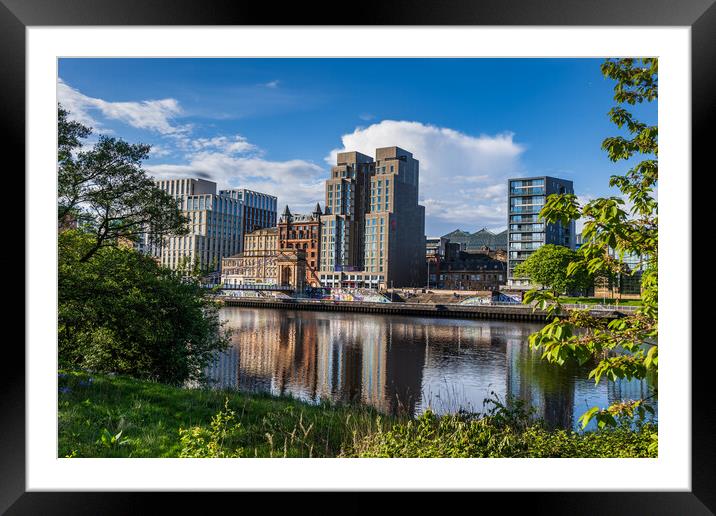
513	312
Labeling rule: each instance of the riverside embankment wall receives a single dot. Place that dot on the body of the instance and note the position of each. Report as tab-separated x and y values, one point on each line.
500	312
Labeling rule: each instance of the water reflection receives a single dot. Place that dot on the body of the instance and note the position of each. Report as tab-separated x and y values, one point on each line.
400	364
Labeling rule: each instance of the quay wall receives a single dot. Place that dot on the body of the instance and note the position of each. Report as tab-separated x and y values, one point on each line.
499	312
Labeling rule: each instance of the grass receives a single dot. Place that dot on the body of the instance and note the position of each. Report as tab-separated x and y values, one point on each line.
600	301
116	416
150	415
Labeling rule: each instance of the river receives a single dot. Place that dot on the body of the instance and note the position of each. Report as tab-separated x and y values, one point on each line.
404	364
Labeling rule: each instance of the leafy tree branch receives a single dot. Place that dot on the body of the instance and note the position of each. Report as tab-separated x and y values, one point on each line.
627	347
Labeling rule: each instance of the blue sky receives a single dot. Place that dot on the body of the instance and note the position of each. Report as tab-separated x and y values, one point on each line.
276	124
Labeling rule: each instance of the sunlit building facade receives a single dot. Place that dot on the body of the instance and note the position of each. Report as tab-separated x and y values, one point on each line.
217	223
526	233
298	231
373	229
258	210
257	264
214	226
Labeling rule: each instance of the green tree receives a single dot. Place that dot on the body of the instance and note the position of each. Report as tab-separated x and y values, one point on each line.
627	347
118	310
106	185
547	267
121	312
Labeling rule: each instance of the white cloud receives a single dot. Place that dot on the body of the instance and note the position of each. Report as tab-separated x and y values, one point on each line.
152	115
463	178
230	161
236	145
77	104
159	151
295	182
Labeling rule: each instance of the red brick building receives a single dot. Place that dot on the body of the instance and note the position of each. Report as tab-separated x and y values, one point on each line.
303	232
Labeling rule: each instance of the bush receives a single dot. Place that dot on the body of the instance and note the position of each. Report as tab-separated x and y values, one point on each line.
219	440
505	431
120	312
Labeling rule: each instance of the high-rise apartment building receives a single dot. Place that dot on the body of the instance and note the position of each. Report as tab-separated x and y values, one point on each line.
526	197
373	229
347	194
258	210
216	224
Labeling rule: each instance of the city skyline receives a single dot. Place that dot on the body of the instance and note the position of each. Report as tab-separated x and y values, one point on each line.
276	125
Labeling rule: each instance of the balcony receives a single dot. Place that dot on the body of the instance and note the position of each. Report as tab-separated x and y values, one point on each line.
527	191
527	183
534	208
527	199
519	246
523	218
536	228
523	254
532	238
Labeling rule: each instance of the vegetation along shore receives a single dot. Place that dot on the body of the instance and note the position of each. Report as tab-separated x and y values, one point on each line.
118	416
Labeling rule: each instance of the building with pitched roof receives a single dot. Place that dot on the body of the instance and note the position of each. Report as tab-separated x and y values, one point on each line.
479	239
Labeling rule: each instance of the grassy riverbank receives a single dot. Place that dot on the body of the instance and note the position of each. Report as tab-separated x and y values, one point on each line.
150	416
112	416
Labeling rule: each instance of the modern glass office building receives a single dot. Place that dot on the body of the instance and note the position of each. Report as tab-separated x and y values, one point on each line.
525	232
258	209
216	223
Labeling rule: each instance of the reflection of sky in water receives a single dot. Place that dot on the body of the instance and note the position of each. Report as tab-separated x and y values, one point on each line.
397	363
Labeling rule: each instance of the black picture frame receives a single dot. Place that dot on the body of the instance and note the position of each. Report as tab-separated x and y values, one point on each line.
700	15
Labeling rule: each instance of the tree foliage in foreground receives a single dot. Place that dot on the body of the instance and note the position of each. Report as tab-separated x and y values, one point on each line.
106	188
120	312
547	267
625	348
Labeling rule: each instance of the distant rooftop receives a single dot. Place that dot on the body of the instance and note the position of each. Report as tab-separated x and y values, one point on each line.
478	239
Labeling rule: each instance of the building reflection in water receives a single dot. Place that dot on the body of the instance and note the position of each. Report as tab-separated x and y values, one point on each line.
401	364
547	388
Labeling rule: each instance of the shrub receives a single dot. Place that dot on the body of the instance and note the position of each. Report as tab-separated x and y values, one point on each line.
215	441
120	312
506	430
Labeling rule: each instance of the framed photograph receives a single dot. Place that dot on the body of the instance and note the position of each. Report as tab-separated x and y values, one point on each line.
260	240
